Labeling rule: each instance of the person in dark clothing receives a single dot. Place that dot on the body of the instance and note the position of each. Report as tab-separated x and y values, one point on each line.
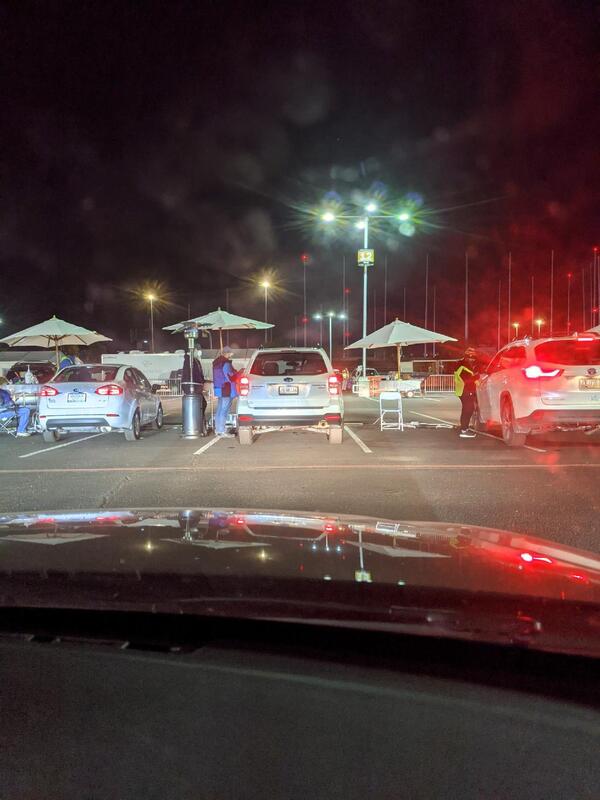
465	382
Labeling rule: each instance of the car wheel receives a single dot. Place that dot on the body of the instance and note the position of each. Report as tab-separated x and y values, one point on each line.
50	436
159	421
509	435
134	433
336	435
245	436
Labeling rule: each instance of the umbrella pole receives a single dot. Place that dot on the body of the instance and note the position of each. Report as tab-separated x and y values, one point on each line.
221	337
398	358
56	349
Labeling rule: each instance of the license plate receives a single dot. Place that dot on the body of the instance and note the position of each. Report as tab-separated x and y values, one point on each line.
73	397
589	383
288	390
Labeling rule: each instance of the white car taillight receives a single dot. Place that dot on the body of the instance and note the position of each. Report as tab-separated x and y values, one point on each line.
48	391
244	386
534	371
334	385
111	389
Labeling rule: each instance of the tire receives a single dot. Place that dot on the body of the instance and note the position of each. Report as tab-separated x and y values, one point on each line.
245	436
50	436
135	432
160	419
509	435
336	435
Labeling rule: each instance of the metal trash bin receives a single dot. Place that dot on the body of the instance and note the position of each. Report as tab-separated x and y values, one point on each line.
191	411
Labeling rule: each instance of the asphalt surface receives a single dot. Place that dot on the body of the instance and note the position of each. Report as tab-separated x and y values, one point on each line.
549	488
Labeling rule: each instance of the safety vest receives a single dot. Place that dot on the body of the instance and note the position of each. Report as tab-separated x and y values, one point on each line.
459	384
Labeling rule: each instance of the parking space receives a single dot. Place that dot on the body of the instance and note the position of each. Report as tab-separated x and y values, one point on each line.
422	473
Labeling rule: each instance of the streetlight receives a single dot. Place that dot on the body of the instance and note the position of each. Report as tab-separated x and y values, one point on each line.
569	276
151	298
305	259
331	315
539	323
516	327
266	285
362	223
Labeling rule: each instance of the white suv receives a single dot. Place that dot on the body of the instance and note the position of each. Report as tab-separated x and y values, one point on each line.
292	387
538	385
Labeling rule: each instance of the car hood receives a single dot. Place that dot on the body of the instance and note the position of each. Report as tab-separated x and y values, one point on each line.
426	578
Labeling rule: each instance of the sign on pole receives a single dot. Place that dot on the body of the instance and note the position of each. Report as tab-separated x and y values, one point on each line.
366	258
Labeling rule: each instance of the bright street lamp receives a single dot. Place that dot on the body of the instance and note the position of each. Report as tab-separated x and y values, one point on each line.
330	315
328	216
539	323
516	327
266	286
151	298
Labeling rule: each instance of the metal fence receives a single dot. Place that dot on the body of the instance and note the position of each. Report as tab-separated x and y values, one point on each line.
169	388
439	383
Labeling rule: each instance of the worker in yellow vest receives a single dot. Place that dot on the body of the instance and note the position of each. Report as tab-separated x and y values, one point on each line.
465	382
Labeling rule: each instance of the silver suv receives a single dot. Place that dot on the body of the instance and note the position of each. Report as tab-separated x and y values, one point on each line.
292	387
538	385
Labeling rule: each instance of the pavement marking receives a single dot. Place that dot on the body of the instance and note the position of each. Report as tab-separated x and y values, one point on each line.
437	419
481	433
56	446
205	447
295	467
358	441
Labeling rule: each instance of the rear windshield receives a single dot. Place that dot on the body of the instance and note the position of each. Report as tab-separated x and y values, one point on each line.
86	375
571	352
274	364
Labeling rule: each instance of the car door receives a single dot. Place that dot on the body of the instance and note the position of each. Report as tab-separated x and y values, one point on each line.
505	378
145	397
484	388
132	398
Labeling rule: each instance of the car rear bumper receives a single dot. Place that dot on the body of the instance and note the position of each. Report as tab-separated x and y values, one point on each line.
90	423
251	420
543	419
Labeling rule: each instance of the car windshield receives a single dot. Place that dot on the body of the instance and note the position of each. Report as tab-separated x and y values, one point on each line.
570	352
292	363
86	374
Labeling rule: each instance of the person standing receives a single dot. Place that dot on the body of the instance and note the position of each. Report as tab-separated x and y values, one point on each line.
465	381
225	388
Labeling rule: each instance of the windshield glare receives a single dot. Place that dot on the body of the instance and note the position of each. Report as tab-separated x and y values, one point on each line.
575	352
86	374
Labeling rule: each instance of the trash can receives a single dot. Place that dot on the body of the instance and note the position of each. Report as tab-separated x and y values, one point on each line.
191	410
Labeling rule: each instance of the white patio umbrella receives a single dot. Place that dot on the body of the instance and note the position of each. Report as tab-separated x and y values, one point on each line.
220	320
54	332
399	334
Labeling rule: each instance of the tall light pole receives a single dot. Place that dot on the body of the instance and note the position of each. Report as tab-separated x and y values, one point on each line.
266	285
151	298
362	223
305	258
539	323
330	315
516	327
569	276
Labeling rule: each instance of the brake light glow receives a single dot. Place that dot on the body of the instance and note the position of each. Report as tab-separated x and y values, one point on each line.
111	389
585	338
534	371
334	385
48	391
244	386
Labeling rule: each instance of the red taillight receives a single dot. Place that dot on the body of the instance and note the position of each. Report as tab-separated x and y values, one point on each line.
48	391
329	527
111	389
534	371
244	386
334	385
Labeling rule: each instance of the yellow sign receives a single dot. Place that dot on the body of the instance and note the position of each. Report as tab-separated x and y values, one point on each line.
366	258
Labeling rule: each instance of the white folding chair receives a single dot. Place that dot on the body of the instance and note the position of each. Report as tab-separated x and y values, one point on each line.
390	405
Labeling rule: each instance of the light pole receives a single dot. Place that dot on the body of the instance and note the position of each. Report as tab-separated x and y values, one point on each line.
362	223
516	327
151	298
305	258
569	276
331	315
539	323
266	285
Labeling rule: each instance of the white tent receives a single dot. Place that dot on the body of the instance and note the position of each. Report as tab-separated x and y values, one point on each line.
220	320
52	333
399	334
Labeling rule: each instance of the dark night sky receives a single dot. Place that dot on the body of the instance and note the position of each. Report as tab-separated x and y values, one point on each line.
177	142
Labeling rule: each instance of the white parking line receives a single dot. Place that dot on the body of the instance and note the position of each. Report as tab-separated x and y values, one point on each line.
479	433
358	441
56	446
205	447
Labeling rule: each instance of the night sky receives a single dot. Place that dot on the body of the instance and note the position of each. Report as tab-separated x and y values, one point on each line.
184	145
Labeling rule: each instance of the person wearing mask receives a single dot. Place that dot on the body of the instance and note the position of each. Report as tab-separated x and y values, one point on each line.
225	388
465	381
9	410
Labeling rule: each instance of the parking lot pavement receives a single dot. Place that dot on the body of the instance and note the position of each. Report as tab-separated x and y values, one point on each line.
426	473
